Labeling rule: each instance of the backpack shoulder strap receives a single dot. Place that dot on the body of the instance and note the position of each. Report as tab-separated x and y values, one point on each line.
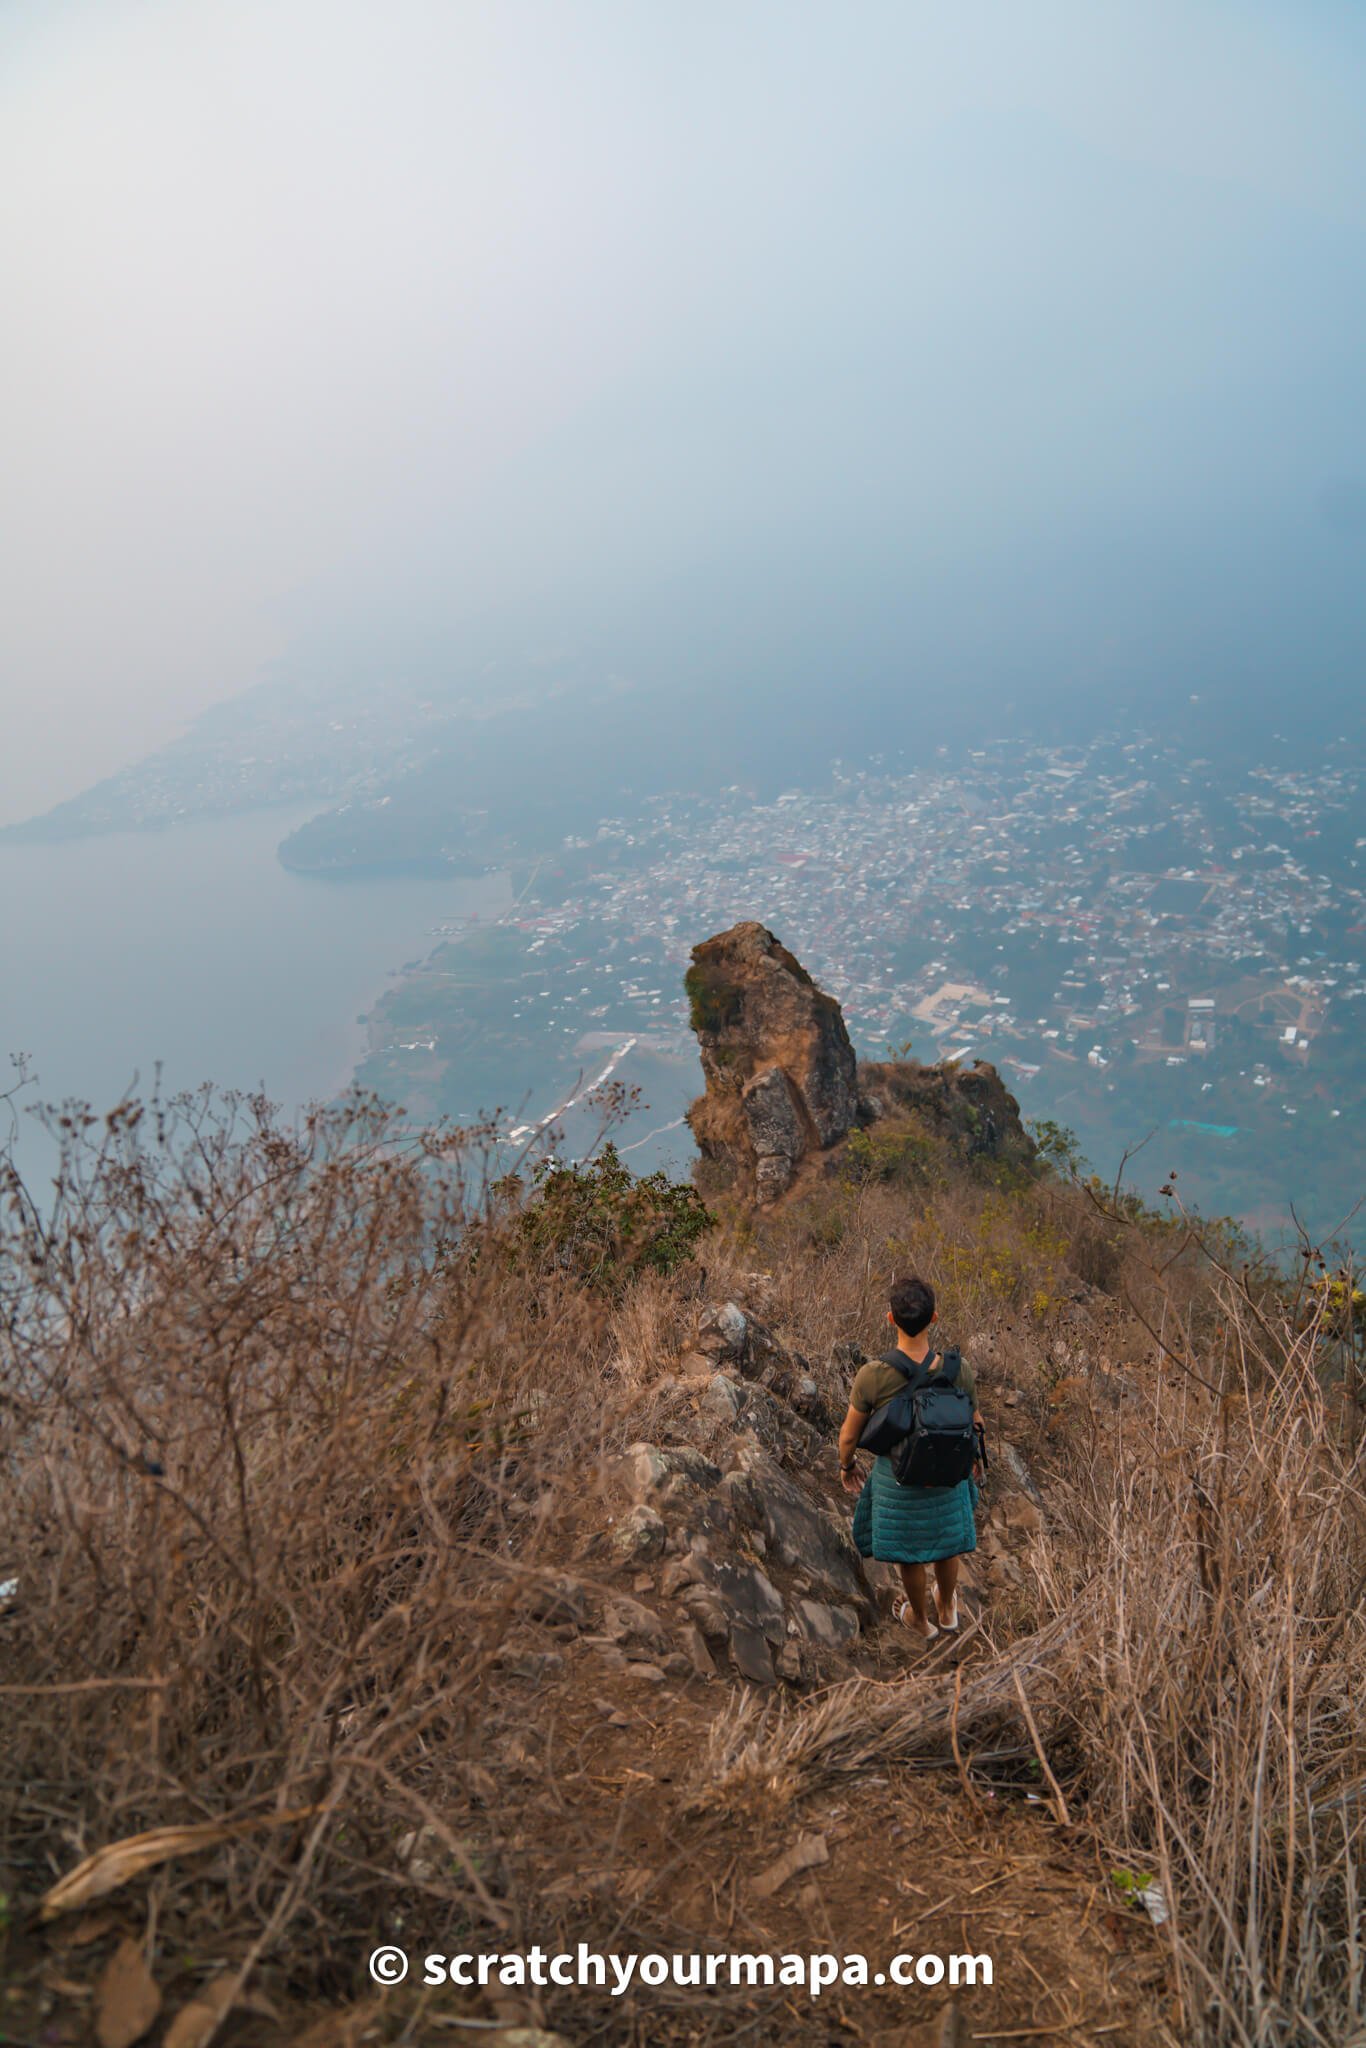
915	1372
950	1366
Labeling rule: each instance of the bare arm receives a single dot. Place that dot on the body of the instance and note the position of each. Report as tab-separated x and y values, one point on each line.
850	1431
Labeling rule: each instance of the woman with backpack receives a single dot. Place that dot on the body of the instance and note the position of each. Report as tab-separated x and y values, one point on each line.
915	1409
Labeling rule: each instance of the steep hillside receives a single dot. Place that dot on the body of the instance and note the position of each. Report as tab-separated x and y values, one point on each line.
457	1562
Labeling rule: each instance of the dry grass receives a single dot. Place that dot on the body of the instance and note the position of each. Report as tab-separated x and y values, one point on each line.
291	1422
1218	1723
269	1405
1189	1678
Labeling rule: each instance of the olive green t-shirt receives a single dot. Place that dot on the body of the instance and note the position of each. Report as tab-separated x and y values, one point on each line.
877	1381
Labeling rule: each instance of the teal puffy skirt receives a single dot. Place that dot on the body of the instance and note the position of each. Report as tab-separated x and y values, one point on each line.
913	1524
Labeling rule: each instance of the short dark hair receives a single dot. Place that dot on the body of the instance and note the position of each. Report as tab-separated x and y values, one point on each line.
912	1304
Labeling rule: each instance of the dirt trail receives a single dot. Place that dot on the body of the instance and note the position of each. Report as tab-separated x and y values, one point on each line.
912	1864
600	1816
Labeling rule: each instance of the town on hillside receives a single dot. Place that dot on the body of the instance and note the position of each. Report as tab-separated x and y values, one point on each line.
1125	932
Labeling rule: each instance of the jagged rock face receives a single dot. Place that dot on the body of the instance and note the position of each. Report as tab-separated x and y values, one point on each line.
714	1514
783	1085
969	1106
780	1071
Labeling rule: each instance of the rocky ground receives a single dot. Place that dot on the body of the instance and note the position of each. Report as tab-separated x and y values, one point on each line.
723	1572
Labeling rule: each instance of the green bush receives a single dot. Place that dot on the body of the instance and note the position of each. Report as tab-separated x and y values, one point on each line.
1058	1147
603	1223
888	1153
713	1003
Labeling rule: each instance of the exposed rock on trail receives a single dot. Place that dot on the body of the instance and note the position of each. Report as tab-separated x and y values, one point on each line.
756	1559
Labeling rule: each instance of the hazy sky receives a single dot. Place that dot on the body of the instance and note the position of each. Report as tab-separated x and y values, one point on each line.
1037	322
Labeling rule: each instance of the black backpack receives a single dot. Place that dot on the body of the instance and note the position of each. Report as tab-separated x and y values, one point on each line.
926	1428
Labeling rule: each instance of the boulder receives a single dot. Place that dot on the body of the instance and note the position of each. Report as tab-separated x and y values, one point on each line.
708	1612
777	1134
752	1654
654	1469
776	1423
831	1626
722	1331
694	1365
678	1573
780	1071
806	1398
751	1598
639	1536
783	1086
788	1663
631	1620
807	1538
741	1496
722	1398
694	1647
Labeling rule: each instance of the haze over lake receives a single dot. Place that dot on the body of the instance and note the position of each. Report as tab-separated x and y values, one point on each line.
194	948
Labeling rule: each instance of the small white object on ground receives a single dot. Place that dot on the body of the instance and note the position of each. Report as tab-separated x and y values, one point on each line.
1154	1902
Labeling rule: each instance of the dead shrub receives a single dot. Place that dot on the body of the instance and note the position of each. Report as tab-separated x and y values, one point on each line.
273	1422
1191	1687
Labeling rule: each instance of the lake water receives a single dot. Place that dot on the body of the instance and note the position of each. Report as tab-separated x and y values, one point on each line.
195	948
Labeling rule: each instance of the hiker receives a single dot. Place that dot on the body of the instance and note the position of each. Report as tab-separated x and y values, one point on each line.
910	1525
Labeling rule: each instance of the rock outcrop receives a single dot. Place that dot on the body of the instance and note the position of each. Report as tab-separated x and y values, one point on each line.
731	1507
970	1107
781	1074
784	1086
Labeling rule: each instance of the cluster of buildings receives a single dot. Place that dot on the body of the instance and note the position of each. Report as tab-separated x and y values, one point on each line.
1106	905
